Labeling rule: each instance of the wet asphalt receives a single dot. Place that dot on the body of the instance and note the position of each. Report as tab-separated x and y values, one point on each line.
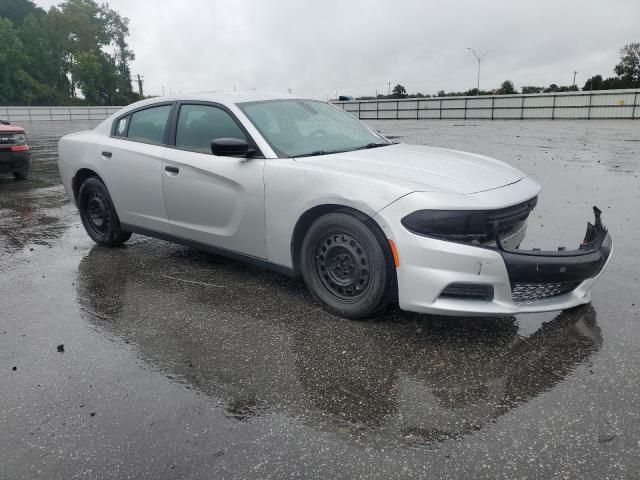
180	364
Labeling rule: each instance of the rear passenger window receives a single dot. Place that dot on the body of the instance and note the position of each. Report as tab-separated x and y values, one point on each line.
121	127
199	125
149	125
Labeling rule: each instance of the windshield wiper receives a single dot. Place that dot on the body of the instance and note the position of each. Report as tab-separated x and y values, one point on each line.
325	152
313	154
373	145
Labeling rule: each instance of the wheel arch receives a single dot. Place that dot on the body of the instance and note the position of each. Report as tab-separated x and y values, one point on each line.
309	216
80	177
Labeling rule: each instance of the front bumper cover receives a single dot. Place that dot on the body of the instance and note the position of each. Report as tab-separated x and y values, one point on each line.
561	268
522	281
11	161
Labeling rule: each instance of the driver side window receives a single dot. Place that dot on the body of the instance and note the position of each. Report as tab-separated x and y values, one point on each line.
199	125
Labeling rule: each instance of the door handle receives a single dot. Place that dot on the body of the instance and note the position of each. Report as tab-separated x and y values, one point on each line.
107	154
172	169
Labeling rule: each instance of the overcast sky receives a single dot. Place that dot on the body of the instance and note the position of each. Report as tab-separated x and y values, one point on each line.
355	47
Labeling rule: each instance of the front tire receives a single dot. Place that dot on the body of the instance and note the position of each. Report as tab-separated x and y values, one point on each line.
98	214
346	265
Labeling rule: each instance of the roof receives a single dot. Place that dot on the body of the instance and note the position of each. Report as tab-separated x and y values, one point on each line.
224	98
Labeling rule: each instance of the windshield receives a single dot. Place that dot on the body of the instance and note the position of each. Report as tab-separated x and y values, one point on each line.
297	128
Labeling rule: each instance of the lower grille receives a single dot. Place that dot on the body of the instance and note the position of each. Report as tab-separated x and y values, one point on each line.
521	292
468	291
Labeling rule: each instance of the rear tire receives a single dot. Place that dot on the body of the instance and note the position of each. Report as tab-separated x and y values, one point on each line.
98	214
20	175
347	265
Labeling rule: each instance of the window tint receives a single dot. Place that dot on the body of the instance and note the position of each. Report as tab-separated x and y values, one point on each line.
199	125
121	127
148	125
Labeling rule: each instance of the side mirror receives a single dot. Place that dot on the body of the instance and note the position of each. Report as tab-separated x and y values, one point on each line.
231	147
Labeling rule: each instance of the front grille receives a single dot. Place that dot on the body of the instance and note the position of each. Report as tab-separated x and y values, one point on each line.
522	292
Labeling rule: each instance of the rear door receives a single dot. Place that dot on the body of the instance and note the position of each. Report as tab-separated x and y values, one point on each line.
210	199
131	167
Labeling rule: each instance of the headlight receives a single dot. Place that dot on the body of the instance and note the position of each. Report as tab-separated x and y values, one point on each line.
468	225
19	138
450	224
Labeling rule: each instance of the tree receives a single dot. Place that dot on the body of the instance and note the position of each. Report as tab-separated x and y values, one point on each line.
594	83
629	67
18	10
399	92
532	89
76	46
119	30
507	88
16	85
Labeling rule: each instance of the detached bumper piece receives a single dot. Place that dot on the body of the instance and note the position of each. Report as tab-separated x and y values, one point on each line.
538	274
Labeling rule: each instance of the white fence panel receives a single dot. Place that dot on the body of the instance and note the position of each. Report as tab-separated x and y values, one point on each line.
566	105
36	114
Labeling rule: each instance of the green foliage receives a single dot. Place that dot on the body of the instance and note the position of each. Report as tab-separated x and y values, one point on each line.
532	89
78	47
628	70
594	83
506	88
17	10
555	88
399	92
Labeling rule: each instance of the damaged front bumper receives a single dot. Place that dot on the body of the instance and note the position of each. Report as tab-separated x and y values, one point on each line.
538	274
452	278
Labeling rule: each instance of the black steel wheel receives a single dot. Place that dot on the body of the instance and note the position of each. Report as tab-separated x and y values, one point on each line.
98	214
346	264
342	265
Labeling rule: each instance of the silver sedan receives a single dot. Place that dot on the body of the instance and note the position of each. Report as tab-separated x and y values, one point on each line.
304	188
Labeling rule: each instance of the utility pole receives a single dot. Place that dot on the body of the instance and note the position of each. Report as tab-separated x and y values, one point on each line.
140	92
574	77
479	58
389	92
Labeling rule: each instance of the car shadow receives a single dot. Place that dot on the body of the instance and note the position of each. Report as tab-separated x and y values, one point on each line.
256	341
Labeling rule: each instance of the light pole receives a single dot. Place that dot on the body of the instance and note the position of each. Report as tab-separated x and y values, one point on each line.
479	58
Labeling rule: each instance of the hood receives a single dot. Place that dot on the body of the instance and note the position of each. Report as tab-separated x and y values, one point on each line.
10	129
421	168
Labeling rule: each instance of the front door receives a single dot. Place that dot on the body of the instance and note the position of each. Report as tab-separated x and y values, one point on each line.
214	200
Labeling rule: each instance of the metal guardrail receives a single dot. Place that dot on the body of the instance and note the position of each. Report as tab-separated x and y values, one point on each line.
34	114
599	104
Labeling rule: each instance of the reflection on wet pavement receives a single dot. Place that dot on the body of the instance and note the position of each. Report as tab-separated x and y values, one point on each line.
258	342
36	211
